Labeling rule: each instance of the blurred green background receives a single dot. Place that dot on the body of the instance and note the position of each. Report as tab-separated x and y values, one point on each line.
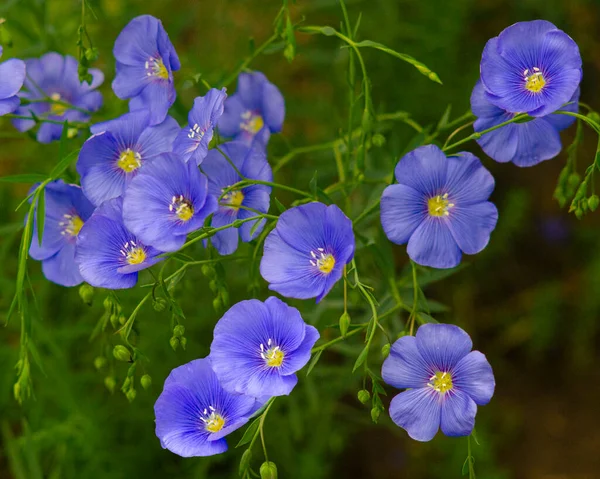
531	300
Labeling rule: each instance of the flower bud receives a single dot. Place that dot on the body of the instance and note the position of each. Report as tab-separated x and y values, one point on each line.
86	293
217	304
208	271
91	54
593	202
574	179
245	461
344	323
179	330
99	362
214	287
183	342
594	116
364	396
146	381
131	394
159	304
114	320
174	342
121	353
110	383
107	303
385	350
122	319
579	213
378	139
268	470
225	297
375	412
584	204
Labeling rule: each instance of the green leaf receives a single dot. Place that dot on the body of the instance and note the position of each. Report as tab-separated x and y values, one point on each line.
279	205
424	318
255	226
327	31
423	69
41	216
249	432
444	119
361	358
64	137
26	178
312	186
63	164
314	360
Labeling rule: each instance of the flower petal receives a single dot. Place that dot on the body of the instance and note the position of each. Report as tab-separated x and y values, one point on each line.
468	180
458	414
403	209
423	169
405	367
273	107
442	346
231	119
472	225
474	376
12	73
418	411
62	268
225	241
432	244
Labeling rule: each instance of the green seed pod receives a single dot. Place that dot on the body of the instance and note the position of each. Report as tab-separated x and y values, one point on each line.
574	180
174	342
179	330
146	381
131	394
245	461
364	396
208	271
183	341
375	412
86	293
385	350
344	323
378	140
110	383
268	470
593	202
159	304
121	353
99	362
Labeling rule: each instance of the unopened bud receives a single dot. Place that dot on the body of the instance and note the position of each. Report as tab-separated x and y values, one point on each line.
385	350
268	470
225	297
110	383
364	396
378	139
344	323
114	320
594	116
208	271
579	213
86	293
574	180
593	202
179	330
121	353
99	362
122	319
214	287
375	412
131	394
217	304
159	304
174	342
183	342
107	303
146	381
245	461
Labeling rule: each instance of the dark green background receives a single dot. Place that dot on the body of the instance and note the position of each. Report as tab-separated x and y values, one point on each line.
531	300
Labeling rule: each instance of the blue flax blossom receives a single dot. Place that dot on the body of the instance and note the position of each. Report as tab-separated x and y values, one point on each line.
193	140
12	76
305	255
166	201
258	347
55	77
194	413
109	255
525	144
255	110
146	60
531	67
439	207
446	381
113	156
66	211
252	164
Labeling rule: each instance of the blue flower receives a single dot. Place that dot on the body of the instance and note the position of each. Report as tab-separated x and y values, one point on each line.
531	67
192	141
166	201
258	347
110	159
12	76
252	163
256	110
194	413
146	60
305	255
110	256
446	381
439	207
66	211
525	144
55	76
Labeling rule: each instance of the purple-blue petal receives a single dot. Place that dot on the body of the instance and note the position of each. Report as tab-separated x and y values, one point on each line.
423	169
432	244
458	414
62	268
473	375
442	346
403	209
12	76
405	367
418	411
472	225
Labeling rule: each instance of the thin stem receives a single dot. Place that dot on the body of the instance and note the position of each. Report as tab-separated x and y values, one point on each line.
455	132
248	60
413	313
367	212
284	160
261	428
240	184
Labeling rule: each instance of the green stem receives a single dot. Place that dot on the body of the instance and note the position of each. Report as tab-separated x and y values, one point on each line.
367	212
248	60
241	184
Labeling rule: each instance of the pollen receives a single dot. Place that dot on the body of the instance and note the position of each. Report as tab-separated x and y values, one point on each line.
133	253
441	382
234	199
156	68
56	108
534	80
272	355
325	262
439	205
252	123
71	225
213	421
129	160
182	207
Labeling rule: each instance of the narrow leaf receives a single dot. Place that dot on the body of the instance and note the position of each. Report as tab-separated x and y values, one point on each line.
361	358
41	216
313	361
26	178
249	432
63	164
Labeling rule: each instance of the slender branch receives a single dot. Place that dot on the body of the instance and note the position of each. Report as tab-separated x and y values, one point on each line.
233	75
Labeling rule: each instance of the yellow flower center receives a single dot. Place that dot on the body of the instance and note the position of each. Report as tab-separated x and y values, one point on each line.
324	261
534	80
213	422
233	200
129	160
136	255
252	123
72	224
182	207
56	108
441	382
273	356
439	205
156	68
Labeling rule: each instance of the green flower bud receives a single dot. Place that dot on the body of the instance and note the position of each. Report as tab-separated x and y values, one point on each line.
174	342
594	116
593	202
584	204
364	396
385	350
114	320
574	180
159	304
208	271
344	323
110	383
183	341
378	139
146	381
122	319
99	362
213	285
217	304
579	213
86	293
245	461
131	394
121	353
375	412
225	297
179	330
107	303
268	470
91	54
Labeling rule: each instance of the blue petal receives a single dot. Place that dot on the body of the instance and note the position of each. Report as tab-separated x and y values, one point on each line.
472	225
138	40
157	96
300	357
560	122
257	198
403	209
126	128
207	109
230	121
8	105
418	411
62	268
226	241
158	139
256	166
473	375
130	80
12	75
423	169
250	89
273	107
442	346
405	367
432	244
468	181
49	132
458	414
